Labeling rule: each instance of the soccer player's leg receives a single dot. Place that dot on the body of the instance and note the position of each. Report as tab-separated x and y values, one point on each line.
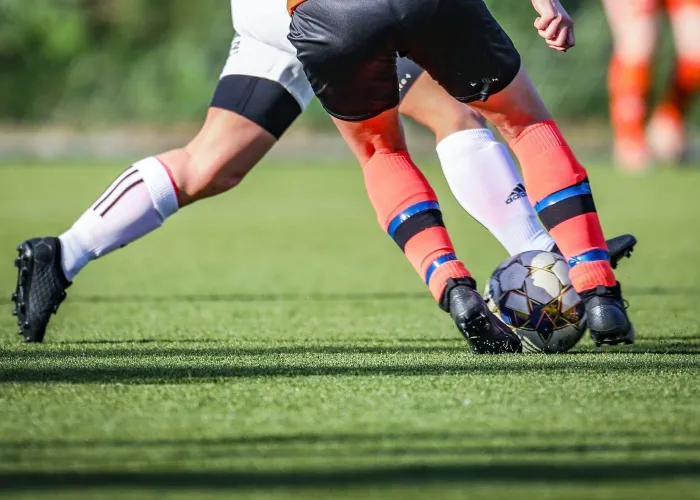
249	112
479	170
354	75
634	30
666	131
558	186
499	88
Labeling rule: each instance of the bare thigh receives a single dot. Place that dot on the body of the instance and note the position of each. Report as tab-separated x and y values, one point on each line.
514	108
430	105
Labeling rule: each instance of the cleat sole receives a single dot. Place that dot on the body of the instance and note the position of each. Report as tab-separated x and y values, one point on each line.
475	326
23	264
478	326
32	322
626	253
628	339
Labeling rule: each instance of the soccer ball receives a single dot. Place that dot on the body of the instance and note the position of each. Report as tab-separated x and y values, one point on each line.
532	293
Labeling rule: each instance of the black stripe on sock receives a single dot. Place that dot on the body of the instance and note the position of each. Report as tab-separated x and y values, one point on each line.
566	209
118	182
417	223
140	181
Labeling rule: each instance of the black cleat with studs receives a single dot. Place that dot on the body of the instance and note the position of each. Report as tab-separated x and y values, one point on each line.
606	316
619	247
486	333
41	286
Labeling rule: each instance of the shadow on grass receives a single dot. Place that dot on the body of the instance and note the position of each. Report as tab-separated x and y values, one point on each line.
130	351
393	443
355	340
319	297
207	369
251	297
142	349
406	475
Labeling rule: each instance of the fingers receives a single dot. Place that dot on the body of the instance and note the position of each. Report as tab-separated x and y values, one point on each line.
551	32
559	34
554	25
561	42
565	40
542	22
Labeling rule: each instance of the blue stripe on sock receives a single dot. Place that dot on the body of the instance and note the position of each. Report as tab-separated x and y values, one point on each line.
570	192
437	263
410	212
590	256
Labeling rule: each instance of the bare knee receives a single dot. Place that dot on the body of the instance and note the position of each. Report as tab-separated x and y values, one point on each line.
452	118
198	176
381	134
685	21
219	157
515	108
634	27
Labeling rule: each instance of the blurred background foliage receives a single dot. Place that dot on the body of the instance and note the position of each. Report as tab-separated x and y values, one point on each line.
106	62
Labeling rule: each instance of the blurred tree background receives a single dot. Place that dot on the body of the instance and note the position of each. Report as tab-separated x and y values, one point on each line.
106	62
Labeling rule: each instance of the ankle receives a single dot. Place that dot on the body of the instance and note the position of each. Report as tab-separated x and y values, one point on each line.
451	284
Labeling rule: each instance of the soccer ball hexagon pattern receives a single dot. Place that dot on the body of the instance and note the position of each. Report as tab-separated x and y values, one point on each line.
531	292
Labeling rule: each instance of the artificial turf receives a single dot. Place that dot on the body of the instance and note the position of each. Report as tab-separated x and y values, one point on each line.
273	343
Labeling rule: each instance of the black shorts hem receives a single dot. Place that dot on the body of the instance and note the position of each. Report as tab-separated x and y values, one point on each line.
503	83
357	118
264	102
408	74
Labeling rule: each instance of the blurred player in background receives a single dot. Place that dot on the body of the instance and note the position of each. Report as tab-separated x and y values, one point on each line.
635	26
262	90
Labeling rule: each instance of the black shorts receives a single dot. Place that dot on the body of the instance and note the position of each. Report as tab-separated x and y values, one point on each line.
408	73
349	48
268	104
264	102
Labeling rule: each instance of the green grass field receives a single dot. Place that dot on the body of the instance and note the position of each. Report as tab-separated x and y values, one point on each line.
273	343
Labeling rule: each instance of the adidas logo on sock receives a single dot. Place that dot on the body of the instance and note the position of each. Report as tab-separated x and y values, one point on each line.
516	194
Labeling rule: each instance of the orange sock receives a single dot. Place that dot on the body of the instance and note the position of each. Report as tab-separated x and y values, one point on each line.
686	82
558	185
684	15
629	87
407	209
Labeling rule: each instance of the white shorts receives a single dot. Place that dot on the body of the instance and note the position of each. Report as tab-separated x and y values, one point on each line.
261	49
262	79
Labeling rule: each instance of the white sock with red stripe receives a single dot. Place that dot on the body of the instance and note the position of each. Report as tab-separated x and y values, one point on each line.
135	204
486	182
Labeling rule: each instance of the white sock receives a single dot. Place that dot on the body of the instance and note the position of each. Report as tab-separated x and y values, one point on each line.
134	205
486	182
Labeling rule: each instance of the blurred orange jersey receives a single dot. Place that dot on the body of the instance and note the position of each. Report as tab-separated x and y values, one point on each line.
622	7
291	4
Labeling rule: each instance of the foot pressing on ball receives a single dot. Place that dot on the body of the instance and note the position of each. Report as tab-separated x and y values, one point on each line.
480	327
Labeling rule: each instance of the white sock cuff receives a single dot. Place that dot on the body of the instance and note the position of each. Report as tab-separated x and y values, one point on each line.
160	186
471	139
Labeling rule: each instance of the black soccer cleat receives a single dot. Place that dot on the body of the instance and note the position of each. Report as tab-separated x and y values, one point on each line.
483	330
619	247
606	316
41	286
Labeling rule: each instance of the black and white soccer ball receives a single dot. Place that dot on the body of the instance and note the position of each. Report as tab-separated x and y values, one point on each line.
532	293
